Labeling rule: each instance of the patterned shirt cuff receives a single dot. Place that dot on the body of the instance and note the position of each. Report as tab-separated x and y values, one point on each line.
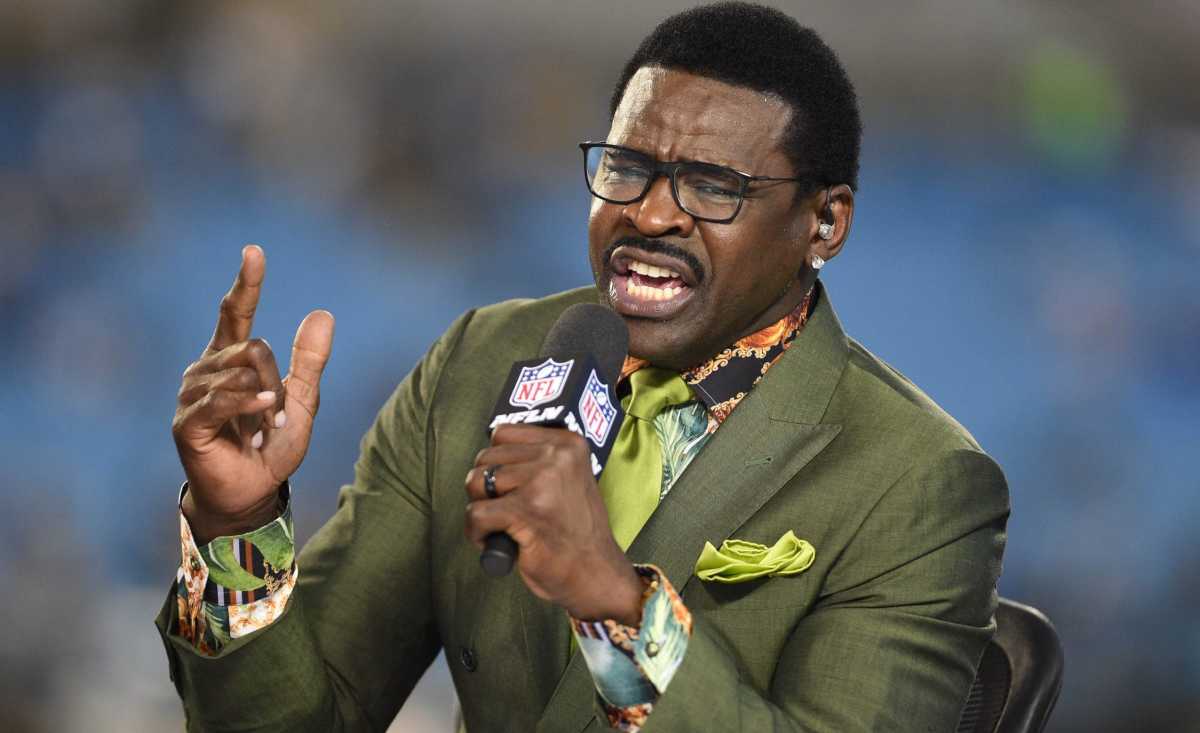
632	666
234	586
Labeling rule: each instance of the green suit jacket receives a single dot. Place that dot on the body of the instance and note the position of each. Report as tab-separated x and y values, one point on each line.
882	632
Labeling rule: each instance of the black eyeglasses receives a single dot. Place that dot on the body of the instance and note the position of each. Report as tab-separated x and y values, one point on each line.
706	191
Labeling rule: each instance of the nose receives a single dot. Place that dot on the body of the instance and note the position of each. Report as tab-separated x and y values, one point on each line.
657	214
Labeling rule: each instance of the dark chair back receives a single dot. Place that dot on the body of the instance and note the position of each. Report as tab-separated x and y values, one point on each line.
1019	676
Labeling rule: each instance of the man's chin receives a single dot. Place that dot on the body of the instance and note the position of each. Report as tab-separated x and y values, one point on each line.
662	344
659	335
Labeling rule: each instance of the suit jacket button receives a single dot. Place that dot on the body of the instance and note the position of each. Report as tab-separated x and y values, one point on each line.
469	661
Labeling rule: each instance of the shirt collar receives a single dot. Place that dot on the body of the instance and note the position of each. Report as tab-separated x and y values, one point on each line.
724	380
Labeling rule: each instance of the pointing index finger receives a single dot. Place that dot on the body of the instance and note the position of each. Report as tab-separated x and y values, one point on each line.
238	306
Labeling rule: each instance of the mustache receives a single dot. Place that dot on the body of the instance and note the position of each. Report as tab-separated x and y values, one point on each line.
656	246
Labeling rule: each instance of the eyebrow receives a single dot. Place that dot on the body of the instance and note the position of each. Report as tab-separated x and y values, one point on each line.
687	159
734	168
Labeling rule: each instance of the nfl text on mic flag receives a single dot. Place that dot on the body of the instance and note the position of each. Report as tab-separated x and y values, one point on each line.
572	385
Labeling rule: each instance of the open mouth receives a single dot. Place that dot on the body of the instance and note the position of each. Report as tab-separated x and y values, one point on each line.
648	285
651	282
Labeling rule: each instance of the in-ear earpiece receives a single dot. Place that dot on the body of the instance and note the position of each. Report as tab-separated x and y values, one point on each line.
825	228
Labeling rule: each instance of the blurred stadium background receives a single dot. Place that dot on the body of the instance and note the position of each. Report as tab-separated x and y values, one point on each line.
1025	249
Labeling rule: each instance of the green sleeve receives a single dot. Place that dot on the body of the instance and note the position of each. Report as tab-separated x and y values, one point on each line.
893	642
359	629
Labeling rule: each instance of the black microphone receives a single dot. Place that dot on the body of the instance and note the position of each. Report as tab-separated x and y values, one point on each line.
571	385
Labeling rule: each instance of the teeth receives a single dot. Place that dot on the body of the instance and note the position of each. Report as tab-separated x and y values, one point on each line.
644	268
644	292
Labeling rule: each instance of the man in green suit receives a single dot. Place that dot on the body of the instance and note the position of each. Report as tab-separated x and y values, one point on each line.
789	535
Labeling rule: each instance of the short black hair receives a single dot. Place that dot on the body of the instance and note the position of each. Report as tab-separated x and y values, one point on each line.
765	50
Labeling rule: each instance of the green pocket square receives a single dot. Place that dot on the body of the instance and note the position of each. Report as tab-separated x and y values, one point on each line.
739	561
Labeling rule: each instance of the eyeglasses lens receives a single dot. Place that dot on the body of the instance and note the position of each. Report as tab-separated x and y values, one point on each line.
708	191
617	175
622	176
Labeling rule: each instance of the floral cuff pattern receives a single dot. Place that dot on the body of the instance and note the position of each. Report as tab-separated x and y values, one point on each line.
234	586
632	666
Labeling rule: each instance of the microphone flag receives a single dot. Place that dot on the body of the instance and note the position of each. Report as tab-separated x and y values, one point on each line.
567	392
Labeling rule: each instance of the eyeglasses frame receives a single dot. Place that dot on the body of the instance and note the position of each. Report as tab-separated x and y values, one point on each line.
669	168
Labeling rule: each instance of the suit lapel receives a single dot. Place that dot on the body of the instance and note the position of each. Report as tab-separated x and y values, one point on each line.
719	494
771	435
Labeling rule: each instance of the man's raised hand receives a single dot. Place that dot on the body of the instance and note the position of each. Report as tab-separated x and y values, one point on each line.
239	428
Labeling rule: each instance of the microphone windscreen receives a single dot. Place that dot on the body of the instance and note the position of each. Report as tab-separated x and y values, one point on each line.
590	328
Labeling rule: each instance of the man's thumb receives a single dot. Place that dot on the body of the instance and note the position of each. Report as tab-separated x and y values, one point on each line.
312	346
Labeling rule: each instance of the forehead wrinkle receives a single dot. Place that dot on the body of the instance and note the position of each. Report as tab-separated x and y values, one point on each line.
676	115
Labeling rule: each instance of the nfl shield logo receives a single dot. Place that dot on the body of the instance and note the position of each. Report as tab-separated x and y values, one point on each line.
539	384
596	409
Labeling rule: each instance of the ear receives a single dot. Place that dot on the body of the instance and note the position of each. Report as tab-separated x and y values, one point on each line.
835	207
